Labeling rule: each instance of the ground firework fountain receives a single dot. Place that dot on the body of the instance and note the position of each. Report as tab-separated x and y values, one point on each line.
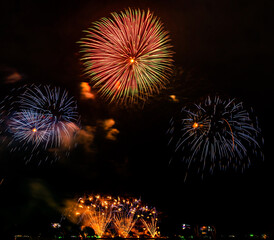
110	217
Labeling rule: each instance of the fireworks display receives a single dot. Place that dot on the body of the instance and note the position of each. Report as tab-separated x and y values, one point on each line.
35	119
128	57
57	106
150	221
152	127
95	212
98	212
126	216
216	132
29	127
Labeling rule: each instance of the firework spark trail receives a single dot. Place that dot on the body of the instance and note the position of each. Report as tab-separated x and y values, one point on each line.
101	217
150	222
55	105
124	223
29	127
126	216
216	132
128	57
40	120
98	212
95	212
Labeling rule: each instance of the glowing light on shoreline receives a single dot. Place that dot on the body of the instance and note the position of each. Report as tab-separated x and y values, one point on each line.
150	222
97	212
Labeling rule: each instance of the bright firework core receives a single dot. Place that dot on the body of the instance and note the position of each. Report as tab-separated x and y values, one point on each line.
195	125
34	130
132	60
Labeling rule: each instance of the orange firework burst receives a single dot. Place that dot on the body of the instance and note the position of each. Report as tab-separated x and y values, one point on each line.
128	215
94	211
150	221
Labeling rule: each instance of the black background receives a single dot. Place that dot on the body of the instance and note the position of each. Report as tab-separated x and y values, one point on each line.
222	47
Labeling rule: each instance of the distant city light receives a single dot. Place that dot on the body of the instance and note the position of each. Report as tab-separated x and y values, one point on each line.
185	226
56	225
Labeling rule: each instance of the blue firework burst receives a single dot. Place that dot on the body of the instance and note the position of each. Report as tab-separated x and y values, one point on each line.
39	121
216	133
29	128
57	106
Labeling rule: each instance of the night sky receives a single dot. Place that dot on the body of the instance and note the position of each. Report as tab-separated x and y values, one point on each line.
222	47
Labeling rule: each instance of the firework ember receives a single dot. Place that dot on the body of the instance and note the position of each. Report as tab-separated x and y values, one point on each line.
150	220
126	216
98	212
94	211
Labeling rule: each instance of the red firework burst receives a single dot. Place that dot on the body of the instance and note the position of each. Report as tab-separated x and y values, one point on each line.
128	56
